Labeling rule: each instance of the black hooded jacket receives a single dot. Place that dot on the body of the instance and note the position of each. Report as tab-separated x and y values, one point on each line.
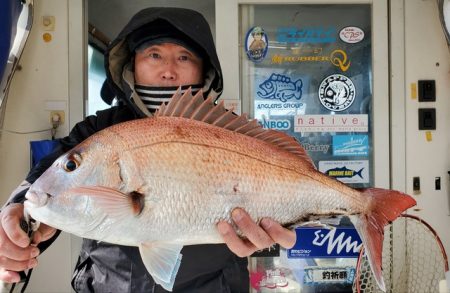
104	267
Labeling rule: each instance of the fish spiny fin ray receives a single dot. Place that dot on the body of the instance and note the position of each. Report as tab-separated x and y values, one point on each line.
197	108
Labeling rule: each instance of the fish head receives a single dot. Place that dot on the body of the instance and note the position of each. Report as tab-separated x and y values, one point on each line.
268	88
55	198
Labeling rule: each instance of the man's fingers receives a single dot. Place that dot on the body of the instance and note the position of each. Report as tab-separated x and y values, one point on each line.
17	266
10	221
250	229
44	233
237	245
9	277
10	250
286	238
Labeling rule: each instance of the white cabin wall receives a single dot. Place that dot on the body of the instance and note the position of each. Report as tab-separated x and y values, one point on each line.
420	52
50	71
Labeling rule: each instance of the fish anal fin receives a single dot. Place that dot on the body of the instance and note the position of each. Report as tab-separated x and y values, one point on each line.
197	108
385	206
162	260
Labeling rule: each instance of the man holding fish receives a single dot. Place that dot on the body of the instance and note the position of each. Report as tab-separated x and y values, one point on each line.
158	51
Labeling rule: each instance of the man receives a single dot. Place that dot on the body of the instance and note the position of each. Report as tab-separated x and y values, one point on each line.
159	50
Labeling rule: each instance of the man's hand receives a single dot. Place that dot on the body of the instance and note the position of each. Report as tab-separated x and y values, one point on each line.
258	237
17	253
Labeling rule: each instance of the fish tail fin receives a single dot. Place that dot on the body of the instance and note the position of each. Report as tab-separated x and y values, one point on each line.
385	206
359	173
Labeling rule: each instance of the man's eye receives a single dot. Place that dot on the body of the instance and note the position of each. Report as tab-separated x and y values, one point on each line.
154	55
184	58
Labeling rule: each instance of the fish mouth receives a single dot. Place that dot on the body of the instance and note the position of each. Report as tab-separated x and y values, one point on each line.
36	198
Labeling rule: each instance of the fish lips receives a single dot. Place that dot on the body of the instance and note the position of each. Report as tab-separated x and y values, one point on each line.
36	199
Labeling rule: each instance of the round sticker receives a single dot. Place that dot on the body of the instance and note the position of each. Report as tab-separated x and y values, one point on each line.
337	92
256	44
351	34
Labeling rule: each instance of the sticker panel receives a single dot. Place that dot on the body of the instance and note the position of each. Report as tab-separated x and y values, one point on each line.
351	34
346	171
256	44
331	123
306	35
321	275
350	145
337	92
325	243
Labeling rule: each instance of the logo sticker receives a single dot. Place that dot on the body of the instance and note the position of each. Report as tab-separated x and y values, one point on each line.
270	279
337	92
338	58
351	34
306	35
324	275
309	147
279	124
350	145
346	171
324	243
256	44
331	123
280	87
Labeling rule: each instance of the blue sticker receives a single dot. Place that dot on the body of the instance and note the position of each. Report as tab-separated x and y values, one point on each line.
325	243
278	124
280	87
350	145
306	35
256	44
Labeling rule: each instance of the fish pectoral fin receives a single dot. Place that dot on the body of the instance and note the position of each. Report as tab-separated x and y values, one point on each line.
114	202
162	261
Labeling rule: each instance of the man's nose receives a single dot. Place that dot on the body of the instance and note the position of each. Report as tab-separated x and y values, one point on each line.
169	71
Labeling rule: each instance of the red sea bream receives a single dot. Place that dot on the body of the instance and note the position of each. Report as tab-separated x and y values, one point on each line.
163	182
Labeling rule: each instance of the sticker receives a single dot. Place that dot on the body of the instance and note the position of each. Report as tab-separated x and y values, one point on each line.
331	274
337	92
278	124
350	145
309	147
331	123
271	279
351	34
338	58
325	243
256	44
280	87
346	171
306	35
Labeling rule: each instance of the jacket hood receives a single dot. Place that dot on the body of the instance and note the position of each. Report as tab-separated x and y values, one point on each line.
188	22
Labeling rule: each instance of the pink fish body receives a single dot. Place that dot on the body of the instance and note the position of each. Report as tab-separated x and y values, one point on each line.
164	182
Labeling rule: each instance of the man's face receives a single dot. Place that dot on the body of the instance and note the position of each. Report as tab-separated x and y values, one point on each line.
167	64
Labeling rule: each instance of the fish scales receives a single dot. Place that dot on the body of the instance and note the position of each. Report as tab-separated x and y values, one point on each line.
225	174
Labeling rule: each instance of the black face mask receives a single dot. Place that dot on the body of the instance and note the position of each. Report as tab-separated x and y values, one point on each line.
154	96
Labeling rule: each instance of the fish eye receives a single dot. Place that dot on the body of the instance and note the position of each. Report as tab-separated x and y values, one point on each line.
72	163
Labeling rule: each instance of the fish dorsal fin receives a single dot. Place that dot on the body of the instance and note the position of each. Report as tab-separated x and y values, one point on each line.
197	108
